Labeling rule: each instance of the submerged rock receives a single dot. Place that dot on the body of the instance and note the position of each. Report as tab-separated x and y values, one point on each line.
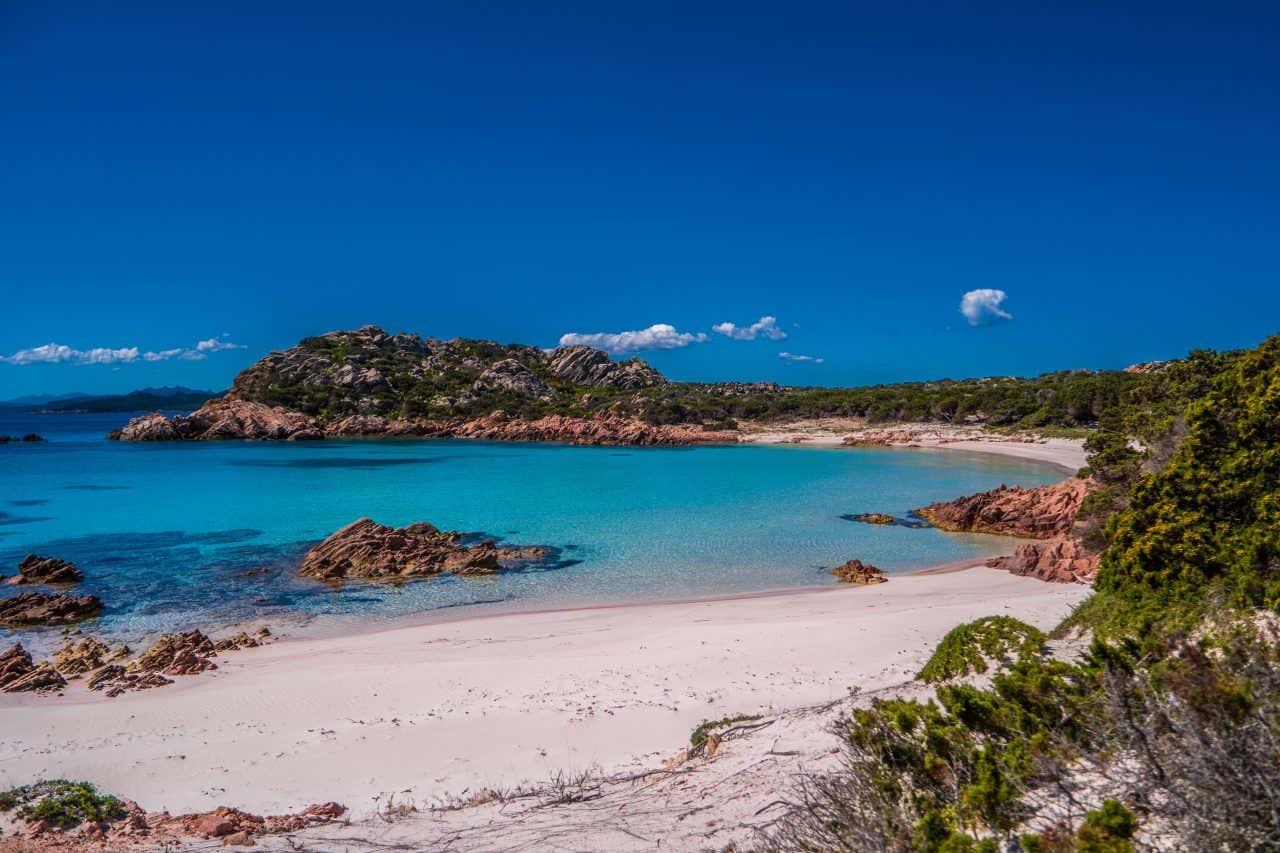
856	571
371	551
45	570
41	608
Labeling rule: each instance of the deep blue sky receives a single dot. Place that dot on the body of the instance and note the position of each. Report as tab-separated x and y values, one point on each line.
170	173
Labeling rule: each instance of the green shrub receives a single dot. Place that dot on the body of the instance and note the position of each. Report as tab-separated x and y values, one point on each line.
698	738
61	804
967	648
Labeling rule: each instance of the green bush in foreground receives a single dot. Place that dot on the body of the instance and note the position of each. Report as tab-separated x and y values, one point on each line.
61	804
698	738
967	648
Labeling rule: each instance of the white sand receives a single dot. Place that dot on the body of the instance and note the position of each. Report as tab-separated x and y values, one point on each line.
431	710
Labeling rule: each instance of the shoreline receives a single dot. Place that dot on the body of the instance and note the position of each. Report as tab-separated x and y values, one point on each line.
494	700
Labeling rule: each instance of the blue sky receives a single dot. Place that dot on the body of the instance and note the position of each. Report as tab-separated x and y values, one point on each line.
175	174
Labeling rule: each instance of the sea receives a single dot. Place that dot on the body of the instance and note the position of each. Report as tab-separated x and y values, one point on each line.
173	536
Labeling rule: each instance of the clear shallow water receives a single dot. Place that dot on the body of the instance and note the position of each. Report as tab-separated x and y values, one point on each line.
166	532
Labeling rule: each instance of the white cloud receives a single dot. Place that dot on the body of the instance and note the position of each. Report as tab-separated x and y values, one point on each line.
657	336
982	307
52	353
790	356
766	326
217	345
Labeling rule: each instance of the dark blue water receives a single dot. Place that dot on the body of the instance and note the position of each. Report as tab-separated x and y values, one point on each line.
179	535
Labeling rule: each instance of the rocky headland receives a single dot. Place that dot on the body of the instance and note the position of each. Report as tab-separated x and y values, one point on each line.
1046	513
369	384
367	550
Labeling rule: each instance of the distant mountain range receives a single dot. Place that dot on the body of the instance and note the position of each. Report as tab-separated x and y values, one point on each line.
175	397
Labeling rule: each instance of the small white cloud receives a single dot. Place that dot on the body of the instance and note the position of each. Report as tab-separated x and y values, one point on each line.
657	336
766	326
52	353
217	345
790	356
982	307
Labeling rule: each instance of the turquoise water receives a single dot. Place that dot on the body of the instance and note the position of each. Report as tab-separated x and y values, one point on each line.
164	532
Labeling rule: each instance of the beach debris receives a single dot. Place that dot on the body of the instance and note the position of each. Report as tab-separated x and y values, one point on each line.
371	551
46	570
42	608
856	571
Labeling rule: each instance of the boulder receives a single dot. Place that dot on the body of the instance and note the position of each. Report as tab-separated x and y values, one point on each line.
78	658
185	653
115	679
510	375
368	550
42	678
14	664
858	572
583	365
40	608
1064	559
46	570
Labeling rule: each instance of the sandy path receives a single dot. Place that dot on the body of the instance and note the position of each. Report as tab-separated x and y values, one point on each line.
431	710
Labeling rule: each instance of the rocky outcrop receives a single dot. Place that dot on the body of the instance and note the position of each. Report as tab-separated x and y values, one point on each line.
601	429
858	572
1064	559
137	829
370	551
115	679
77	658
511	375
873	518
588	366
39	608
14	664
45	570
254	421
184	653
1039	513
18	674
1046	513
218	419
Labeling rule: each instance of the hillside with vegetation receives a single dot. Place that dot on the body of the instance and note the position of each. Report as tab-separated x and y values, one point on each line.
370	372
1164	733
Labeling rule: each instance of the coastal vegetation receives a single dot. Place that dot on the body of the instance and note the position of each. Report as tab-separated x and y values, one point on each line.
969	648
1166	726
370	372
60	804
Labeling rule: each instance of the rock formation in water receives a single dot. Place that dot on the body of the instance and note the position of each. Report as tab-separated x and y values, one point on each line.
1047	513
30	438
1038	513
45	570
370	551
39	608
858	572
